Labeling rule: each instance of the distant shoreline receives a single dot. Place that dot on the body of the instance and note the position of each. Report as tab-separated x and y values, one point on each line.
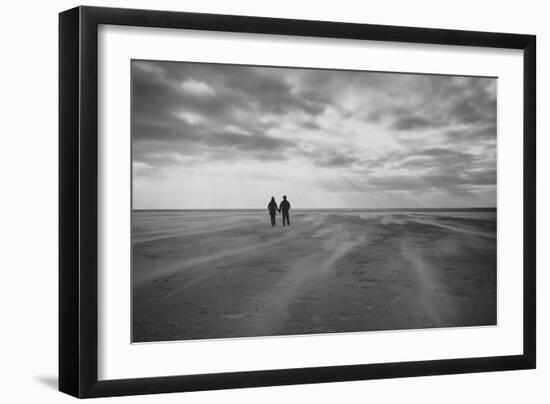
476	209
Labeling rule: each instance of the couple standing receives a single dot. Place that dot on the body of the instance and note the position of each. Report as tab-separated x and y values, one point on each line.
284	207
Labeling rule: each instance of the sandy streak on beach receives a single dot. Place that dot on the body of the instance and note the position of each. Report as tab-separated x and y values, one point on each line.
233	275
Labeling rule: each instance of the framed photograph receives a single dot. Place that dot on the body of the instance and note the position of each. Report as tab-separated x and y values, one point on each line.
251	201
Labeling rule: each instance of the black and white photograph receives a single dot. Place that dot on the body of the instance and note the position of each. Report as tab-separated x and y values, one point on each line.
275	201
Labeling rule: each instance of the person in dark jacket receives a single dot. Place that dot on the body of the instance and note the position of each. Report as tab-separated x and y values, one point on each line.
284	207
272	209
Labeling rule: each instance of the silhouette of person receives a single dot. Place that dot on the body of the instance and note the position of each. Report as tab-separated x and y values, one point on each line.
284	207
272	208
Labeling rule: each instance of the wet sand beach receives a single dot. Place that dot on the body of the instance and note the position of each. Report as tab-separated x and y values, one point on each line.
224	274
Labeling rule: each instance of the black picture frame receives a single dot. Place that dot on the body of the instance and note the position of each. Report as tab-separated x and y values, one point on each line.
78	201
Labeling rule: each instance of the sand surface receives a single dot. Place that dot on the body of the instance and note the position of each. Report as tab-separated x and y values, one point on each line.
224	274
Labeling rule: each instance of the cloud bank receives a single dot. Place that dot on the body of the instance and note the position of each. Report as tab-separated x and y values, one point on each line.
229	136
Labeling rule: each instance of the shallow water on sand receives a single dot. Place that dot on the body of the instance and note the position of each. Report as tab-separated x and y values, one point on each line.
221	274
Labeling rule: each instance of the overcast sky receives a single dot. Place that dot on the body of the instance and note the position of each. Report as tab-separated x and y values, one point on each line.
225	136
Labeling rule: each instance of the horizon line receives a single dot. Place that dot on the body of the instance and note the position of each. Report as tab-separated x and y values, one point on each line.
400	208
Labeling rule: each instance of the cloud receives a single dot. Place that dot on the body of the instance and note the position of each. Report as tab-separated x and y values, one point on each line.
412	122
476	133
429	102
310	125
435	158
337	160
347	132
466	111
197	88
239	141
